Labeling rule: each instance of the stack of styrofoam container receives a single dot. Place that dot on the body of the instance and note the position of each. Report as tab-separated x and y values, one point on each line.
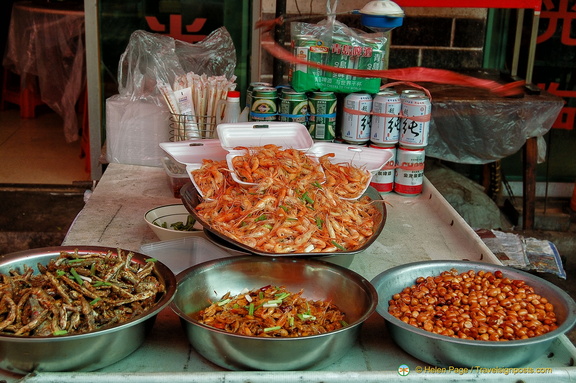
234	136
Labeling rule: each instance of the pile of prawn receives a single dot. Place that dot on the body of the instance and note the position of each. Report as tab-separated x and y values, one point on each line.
76	293
280	214
271	312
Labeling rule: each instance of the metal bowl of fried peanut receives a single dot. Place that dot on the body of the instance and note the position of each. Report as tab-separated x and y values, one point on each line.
463	314
77	308
266	313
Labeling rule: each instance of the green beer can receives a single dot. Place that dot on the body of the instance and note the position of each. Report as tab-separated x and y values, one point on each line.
372	57
250	88
309	48
322	120
264	104
340	56
293	106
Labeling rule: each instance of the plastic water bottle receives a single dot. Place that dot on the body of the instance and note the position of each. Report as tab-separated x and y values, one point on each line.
231	106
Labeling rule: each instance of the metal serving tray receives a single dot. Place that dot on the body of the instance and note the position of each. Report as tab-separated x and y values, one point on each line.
191	199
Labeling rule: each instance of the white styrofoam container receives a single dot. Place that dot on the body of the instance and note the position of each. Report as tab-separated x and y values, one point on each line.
250	134
283	134
362	157
234	175
194	151
189	169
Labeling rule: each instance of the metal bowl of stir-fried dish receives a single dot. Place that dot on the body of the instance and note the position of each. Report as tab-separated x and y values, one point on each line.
266	313
73	308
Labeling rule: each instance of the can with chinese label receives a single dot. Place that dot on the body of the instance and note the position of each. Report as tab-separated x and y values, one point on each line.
293	106
356	118
309	48
409	172
251	87
372	56
340	56
408	92
383	180
385	125
264	104
415	125
301	49
322	120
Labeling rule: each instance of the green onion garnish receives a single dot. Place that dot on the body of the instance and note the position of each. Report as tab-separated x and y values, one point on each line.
307	198
60	332
267	329
94	301
263	217
282	296
343	323
223	302
285	208
319	222
151	260
275	301
75	261
268	226
101	283
306	317
338	245
317	184
251	308
60	272
291	321
79	280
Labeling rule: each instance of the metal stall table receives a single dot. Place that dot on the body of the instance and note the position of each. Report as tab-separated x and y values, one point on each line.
417	228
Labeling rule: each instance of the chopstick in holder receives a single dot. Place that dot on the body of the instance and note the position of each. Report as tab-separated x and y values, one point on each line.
205	92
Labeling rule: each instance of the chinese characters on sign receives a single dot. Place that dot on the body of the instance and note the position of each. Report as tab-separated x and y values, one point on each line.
174	29
560	16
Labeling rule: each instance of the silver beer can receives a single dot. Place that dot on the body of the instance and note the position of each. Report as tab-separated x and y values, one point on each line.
385	125
383	180
415	123
356	118
409	172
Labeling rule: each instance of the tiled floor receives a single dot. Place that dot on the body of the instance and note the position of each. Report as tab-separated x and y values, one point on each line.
34	151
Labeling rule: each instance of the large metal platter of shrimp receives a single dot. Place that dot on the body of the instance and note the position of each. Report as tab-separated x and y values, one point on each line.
279	215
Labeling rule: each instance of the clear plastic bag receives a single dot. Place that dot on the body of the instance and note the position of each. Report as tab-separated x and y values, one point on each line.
334	44
152	58
137	119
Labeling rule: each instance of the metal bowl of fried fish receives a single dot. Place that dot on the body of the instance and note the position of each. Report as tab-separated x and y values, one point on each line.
79	308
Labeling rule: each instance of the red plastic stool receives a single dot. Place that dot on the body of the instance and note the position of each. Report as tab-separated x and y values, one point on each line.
27	99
